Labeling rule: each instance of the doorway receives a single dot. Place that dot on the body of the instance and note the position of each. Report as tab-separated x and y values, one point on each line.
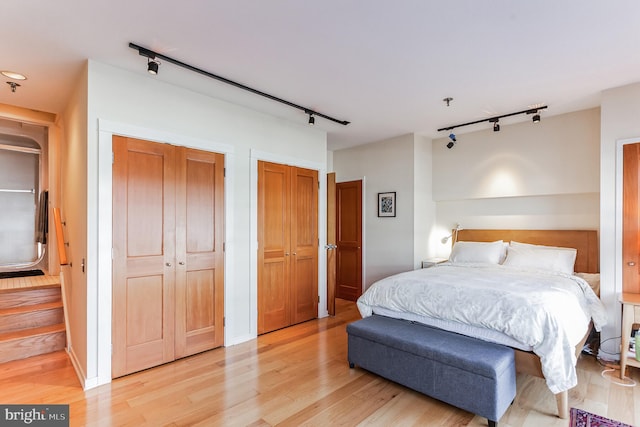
349	240
23	195
630	218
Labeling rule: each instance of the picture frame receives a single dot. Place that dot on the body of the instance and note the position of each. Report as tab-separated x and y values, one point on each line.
387	204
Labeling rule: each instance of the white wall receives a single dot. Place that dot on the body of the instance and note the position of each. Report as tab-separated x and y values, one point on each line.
559	155
424	207
136	103
619	116
537	176
73	209
400	164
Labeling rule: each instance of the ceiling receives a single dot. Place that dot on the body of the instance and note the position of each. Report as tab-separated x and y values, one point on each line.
383	65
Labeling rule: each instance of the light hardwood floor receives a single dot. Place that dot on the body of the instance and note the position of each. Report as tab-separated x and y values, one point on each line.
295	376
28	282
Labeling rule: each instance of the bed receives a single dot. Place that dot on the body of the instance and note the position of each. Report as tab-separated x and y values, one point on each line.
522	294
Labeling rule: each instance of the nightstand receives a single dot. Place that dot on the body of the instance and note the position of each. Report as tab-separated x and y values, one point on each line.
433	261
630	315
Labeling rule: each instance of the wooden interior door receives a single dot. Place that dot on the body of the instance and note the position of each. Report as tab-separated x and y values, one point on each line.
349	240
287	246
331	243
304	244
631	219
199	251
143	254
274	256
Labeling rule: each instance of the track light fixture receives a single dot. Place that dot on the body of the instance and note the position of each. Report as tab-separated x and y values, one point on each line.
453	139
152	66
312	120
153	57
494	120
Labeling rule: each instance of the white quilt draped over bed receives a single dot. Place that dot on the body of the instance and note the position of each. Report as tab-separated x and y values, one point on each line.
546	311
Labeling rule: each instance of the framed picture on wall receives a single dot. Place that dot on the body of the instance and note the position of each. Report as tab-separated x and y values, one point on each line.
387	204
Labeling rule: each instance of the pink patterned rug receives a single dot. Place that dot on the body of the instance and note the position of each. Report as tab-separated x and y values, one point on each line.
580	418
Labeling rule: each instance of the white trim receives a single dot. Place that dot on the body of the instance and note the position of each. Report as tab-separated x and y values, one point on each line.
86	384
257	155
101	299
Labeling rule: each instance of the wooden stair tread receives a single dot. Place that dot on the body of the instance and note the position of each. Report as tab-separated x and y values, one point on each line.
24	333
16	288
31	308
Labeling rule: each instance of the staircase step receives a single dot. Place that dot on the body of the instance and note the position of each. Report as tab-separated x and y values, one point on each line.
22	297
31	342
31	316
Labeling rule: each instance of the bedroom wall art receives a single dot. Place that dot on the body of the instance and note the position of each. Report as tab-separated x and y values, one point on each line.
387	204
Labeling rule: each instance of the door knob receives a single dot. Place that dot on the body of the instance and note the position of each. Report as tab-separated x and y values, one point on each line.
286	254
181	263
631	263
168	264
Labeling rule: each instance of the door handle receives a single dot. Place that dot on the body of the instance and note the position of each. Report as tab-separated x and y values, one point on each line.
631	263
168	264
181	263
286	254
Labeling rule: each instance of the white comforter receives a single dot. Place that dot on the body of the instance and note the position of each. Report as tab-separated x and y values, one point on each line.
546	311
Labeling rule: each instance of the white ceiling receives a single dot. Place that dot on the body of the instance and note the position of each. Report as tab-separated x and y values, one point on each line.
383	65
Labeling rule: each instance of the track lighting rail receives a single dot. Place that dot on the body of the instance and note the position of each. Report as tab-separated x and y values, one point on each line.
148	53
495	118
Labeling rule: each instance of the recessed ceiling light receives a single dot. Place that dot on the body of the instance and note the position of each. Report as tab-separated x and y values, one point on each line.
13	75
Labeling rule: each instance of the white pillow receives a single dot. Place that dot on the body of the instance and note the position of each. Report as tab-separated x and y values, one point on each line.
541	257
481	252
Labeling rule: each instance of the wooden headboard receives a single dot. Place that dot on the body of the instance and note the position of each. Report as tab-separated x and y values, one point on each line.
585	241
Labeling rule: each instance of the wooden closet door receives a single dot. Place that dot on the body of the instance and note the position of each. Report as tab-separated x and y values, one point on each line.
199	251
631	219
273	246
304	245
143	254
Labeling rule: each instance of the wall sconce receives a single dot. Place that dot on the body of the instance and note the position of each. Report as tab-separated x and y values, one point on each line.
454	234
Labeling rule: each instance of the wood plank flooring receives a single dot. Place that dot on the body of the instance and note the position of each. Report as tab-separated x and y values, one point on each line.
292	377
29	282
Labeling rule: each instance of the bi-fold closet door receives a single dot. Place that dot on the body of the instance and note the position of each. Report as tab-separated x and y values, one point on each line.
168	257
287	245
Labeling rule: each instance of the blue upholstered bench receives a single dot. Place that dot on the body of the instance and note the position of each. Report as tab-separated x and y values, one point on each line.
474	375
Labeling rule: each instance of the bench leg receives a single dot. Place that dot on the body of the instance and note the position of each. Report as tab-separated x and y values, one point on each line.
493	423
352	365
